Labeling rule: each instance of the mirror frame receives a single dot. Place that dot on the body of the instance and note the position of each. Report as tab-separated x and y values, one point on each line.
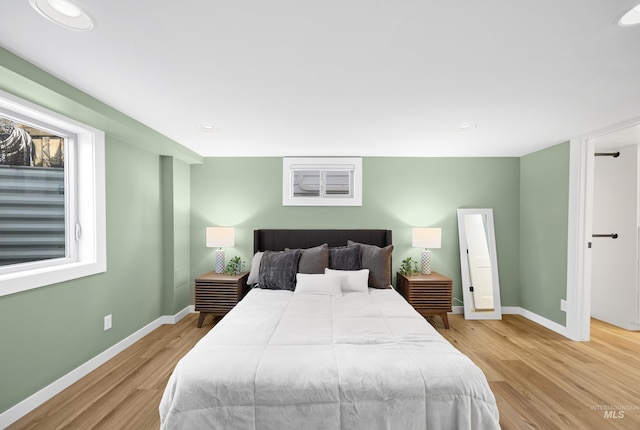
469	313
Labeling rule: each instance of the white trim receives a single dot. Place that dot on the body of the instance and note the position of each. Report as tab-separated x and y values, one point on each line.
90	201
516	310
173	319
633	326
353	164
506	310
551	325
457	309
581	171
512	310
496	313
578	296
32	402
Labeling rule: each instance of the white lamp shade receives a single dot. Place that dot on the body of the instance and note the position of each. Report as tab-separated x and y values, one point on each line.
217	237
427	237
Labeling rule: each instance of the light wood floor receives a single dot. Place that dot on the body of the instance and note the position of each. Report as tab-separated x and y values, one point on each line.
540	379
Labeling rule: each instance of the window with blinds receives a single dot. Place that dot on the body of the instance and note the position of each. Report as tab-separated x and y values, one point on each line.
32	194
52	197
322	181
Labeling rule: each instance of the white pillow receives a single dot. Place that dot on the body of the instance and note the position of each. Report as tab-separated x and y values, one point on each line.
317	283
352	281
254	274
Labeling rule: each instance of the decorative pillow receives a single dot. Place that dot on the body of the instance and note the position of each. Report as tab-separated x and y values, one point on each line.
254	274
378	261
345	258
314	260
351	281
278	270
313	283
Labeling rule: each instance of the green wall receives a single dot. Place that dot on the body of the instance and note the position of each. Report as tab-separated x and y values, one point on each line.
398	194
176	225
158	205
55	329
544	223
47	332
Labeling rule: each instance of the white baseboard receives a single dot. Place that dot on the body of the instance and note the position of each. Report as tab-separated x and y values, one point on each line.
173	319
30	403
508	310
515	310
544	322
633	326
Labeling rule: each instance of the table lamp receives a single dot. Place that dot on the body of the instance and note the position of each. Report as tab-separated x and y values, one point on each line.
426	238
217	237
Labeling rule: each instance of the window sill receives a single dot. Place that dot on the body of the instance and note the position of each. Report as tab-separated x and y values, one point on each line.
16	282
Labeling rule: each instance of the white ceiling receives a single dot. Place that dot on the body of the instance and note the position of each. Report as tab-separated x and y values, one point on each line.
348	77
617	139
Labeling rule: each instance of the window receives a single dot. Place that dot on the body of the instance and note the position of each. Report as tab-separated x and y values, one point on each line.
52	216
322	182
32	193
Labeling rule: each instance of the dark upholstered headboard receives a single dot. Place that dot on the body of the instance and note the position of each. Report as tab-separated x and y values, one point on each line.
278	240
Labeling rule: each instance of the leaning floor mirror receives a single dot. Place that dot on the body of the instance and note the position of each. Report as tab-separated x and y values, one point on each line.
479	265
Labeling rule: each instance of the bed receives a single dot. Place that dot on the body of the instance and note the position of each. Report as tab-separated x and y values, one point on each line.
334	353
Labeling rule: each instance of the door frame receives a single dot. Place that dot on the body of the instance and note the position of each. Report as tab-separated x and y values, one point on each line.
581	182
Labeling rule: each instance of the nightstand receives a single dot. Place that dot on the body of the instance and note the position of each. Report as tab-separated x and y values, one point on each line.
428	294
218	293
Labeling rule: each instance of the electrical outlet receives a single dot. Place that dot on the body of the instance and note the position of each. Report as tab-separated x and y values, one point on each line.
563	305
107	322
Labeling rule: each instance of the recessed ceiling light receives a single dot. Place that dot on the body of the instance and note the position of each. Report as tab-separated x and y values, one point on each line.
467	126
631	18
208	128
63	12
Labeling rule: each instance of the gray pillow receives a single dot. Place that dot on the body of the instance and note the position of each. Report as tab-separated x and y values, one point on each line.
378	261
278	270
314	260
345	257
254	274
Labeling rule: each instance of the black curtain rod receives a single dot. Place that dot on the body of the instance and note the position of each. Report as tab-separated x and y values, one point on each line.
607	154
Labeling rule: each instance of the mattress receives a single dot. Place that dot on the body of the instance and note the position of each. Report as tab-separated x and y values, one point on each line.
282	360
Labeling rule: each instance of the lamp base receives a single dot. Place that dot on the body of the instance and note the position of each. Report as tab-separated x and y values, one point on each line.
220	260
426	262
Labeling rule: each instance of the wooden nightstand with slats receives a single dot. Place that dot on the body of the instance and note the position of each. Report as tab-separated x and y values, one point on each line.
218	293
428	294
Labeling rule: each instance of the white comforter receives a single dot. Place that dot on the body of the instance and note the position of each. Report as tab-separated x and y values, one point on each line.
281	360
